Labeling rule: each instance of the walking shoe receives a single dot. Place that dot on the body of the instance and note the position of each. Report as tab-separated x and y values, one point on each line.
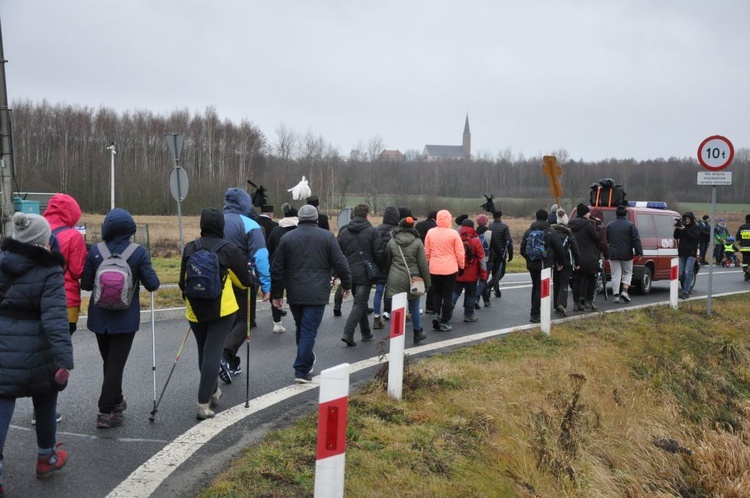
370	311
386	315
589	306
315	358
535	319
377	323
204	411
684	295
498	293
303	379
47	464
446	327
336	312
349	342
476	306
225	372
577	307
560	310
625	296
108	420
428	311
121	406
488	304
470	318
215	397
367	338
436	323
419	336
58	417
278	327
617	298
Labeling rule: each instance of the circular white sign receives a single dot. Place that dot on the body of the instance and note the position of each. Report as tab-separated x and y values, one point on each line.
715	153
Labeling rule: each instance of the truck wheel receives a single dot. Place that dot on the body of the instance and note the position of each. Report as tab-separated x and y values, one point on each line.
644	283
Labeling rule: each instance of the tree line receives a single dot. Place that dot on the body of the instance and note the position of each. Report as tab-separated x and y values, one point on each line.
63	148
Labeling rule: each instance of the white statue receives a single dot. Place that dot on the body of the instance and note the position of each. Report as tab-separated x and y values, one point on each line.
301	191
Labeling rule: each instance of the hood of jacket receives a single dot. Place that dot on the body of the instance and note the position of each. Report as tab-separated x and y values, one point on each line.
357	224
62	210
467	232
118	225
405	236
18	258
236	200
444	218
212	223
290	221
390	216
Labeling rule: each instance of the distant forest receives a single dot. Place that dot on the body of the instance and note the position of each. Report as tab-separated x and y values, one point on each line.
63	148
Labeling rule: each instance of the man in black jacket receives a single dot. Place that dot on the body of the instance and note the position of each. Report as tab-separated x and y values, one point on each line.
360	241
501	250
265	220
688	235
322	218
743	239
553	256
302	265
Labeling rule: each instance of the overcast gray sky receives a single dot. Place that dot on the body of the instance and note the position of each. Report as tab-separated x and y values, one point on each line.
599	78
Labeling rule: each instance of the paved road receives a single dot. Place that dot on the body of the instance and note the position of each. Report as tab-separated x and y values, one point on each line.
143	458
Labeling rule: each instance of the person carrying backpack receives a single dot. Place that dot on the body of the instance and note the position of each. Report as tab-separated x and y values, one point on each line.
542	248
473	270
210	267
561	277
485	237
115	323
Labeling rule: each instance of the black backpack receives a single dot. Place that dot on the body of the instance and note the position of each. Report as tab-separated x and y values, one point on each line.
203	278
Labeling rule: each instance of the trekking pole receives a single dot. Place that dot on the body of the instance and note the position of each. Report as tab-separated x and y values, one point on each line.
153	348
249	325
179	353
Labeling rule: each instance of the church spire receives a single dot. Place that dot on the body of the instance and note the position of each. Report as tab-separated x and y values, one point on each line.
467	139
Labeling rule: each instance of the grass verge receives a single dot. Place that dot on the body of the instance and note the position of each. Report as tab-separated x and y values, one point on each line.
651	402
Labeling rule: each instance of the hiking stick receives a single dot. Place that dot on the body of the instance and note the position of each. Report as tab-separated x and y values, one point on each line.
249	325
179	353
153	347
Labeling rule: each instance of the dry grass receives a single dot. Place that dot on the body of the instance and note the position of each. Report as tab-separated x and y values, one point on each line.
638	405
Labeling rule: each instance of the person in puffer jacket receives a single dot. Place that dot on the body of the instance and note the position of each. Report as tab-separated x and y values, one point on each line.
446	256
36	354
62	213
115	329
474	269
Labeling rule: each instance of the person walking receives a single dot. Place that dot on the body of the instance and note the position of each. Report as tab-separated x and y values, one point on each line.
688	235
390	223
244	232
721	234
322	218
743	239
361	244
405	257
62	213
35	345
116	328
624	244
265	220
501	251
541	248
587	233
422	228
571	256
445	257
485	237
473	270
705	226
286	224
302	266
212	319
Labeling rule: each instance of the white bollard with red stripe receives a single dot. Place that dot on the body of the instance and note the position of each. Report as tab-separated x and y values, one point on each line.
396	357
331	456
545	290
674	282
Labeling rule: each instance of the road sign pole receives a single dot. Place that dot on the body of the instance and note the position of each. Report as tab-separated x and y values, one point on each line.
711	256
179	208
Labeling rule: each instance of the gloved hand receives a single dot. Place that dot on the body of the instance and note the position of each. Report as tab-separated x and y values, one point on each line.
510	258
460	271
61	377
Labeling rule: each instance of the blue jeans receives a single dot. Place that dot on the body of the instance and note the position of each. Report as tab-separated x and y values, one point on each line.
307	319
686	272
358	314
45	407
416	317
470	296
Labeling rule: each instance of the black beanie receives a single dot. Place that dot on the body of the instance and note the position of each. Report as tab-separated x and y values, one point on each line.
581	210
542	214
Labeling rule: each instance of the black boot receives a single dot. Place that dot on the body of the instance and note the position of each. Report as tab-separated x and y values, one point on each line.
419	336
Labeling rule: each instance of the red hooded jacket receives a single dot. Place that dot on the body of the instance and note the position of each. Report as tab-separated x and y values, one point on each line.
473	271
63	210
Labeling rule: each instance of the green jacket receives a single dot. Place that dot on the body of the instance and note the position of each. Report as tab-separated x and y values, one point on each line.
399	279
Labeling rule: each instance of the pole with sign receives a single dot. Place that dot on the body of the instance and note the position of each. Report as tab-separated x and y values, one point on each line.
715	154
178	181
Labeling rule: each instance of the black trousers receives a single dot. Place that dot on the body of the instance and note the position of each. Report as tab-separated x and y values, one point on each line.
443	295
114	350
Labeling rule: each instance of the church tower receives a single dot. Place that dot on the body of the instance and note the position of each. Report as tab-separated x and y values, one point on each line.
467	139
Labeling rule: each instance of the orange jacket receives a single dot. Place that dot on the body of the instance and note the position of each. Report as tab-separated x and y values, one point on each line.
443	246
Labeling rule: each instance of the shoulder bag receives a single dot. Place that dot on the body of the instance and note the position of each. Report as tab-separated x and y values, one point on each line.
416	285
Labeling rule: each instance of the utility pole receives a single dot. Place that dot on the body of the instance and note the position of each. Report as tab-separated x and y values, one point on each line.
6	149
112	151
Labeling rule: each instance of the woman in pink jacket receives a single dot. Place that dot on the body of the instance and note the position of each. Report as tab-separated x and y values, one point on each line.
445	256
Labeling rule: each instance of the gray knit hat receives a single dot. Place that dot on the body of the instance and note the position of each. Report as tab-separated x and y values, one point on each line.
307	213
30	229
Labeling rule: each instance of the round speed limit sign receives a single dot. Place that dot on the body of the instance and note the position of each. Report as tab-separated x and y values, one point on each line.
715	153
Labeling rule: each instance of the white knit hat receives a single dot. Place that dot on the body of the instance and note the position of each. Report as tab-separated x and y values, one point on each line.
562	218
30	229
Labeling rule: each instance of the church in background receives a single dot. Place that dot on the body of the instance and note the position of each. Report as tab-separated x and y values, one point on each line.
438	152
